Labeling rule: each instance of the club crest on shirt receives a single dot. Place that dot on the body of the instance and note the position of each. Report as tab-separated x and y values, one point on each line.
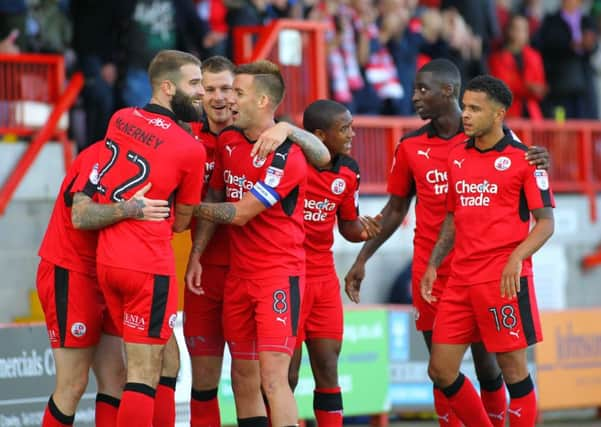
338	186
502	163
542	179
78	329
94	176
172	320
258	161
274	176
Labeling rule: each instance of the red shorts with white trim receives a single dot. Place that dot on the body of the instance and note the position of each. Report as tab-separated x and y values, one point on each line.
203	327
261	314
424	311
142	305
73	306
503	324
322	314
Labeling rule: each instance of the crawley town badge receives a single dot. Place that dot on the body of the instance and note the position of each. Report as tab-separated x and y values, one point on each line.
274	176
94	177
258	161
542	179
502	163
338	186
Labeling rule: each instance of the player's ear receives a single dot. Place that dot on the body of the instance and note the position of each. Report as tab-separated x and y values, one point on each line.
320	134
263	100
168	87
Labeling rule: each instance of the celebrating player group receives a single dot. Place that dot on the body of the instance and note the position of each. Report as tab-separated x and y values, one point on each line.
262	199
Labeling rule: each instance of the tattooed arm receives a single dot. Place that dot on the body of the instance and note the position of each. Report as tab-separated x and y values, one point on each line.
89	215
446	240
238	213
315	151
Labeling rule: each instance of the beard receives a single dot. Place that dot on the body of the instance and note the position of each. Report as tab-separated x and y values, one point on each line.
184	110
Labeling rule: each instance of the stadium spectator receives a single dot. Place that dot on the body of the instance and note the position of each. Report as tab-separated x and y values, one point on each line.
137	273
521	68
490	293
566	40
331	197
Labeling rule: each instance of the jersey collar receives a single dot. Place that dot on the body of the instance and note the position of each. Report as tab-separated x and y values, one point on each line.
499	146
431	131
205	126
157	109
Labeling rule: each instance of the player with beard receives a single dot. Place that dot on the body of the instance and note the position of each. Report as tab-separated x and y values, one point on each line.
420	168
136	266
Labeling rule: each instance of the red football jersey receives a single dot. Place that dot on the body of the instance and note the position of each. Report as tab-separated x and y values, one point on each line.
142	146
491	194
272	242
420	167
217	250
330	193
63	245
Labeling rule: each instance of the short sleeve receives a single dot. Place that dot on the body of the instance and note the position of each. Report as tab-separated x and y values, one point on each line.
400	180
451	194
278	182
88	176
538	189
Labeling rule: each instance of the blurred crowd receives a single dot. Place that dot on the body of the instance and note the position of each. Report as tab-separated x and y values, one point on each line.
545	50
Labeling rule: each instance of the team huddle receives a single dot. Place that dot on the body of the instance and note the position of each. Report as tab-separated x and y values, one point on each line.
262	200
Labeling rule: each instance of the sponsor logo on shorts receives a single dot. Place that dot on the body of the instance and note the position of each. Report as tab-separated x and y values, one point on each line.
78	329
172	319
134	321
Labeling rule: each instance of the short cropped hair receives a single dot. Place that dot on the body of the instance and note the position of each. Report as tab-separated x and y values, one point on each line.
167	64
445	72
217	64
321	114
495	88
267	79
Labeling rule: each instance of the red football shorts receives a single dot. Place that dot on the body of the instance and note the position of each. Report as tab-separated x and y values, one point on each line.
424	311
503	324
203	328
73	306
321	315
142	305
261	314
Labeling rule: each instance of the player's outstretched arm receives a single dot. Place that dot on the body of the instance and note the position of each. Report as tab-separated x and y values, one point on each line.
391	218
540	233
315	151
89	215
444	244
202	234
361	229
238	213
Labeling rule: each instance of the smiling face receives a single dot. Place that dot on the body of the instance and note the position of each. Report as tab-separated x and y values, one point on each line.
218	96
245	103
339	137
186	103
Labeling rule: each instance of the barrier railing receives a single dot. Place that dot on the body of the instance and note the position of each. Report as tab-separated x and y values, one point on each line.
299	47
574	146
32	103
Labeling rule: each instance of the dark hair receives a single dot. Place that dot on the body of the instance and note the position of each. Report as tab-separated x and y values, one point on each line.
321	114
445	72
267	78
496	89
167	64
217	64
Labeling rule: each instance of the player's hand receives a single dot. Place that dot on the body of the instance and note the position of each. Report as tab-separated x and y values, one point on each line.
352	281
510	279
270	140
371	226
142	208
427	283
538	156
193	275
